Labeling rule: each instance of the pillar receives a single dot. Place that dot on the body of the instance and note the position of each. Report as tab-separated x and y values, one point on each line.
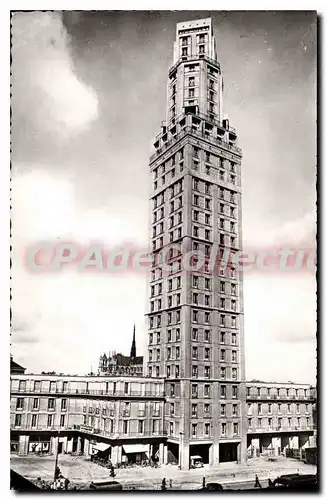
23	445
79	445
276	444
161	453
86	446
165	454
214	454
64	440
54	444
116	454
294	442
70	442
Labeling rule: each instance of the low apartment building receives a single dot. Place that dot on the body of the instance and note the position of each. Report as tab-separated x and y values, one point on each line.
82	414
130	416
280	417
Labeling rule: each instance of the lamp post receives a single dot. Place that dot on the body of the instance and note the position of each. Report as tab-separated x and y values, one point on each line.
56	461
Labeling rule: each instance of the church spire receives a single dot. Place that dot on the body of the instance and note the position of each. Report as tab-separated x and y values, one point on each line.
133	348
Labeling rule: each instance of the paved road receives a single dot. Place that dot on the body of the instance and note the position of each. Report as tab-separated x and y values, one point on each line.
82	471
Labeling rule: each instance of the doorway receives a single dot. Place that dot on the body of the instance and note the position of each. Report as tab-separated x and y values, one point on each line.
228	452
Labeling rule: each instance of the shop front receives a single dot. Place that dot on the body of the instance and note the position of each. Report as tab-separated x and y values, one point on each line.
136	453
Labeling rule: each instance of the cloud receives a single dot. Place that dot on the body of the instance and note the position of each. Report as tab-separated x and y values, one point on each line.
44	82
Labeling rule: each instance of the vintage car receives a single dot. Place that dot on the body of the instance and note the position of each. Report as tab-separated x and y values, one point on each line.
196	462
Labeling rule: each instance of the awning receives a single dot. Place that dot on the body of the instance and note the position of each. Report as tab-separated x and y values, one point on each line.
102	446
136	448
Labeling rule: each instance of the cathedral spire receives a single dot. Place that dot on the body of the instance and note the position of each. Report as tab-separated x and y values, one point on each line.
133	348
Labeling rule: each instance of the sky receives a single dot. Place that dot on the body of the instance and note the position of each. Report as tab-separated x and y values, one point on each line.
88	98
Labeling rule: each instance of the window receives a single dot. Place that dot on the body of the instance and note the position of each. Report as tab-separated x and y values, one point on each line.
235	429
22	385
207	391
34	421
207	429
206	353
222	391
206	337
18	420
125	426
37	385
51	404
222	337
194	391
194	352
223	429
234	413
62	420
222	372
234	373
194	334
20	404
194	430
222	410
207	372
194	410
207	409
234	391
35	404
64	404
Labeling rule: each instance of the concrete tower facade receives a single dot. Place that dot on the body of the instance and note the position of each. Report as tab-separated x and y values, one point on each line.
196	313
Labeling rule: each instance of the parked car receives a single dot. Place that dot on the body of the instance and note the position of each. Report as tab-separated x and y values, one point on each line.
106	485
296	481
212	487
196	462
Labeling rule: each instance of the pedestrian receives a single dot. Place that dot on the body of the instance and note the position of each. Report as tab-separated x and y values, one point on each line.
203	482
112	471
270	483
170	483
66	483
163	484
257	483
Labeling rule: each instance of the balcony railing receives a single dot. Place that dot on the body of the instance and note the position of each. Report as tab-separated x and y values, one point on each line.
85	392
189	130
275	397
278	428
91	430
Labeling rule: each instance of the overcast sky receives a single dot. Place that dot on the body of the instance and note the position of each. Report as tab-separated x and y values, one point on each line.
89	93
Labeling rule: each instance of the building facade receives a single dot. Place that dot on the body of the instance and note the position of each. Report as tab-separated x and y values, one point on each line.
126	416
84	414
196	316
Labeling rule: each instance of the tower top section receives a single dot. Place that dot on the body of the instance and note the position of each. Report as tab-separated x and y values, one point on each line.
194	38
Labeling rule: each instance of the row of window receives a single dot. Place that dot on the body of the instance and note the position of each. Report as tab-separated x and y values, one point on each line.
174	335
196	429
20	404
270	407
279	422
35	417
208	170
174	300
276	391
205	391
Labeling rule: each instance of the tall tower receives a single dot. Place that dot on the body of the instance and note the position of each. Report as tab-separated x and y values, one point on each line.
196	315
